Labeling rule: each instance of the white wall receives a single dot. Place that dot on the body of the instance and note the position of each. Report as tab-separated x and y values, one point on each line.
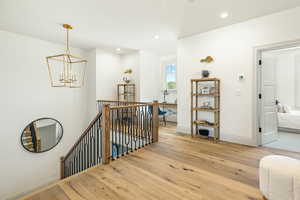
233	50
297	81
25	96
90	85
108	74
286	75
132	61
149	76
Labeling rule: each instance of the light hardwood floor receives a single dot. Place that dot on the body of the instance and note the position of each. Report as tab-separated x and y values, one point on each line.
178	167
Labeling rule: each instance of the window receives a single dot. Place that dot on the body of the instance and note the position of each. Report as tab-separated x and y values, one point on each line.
170	76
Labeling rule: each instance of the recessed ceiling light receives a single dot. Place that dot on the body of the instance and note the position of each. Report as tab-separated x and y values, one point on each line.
156	37
224	15
118	49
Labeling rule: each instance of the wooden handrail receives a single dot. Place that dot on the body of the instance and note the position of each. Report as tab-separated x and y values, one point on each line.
82	136
136	102
125	102
129	106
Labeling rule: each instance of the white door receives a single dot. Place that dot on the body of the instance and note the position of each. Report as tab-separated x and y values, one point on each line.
269	117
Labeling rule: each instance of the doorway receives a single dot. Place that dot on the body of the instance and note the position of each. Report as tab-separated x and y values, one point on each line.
279	97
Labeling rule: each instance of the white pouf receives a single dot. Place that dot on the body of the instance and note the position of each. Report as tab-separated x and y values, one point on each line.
279	178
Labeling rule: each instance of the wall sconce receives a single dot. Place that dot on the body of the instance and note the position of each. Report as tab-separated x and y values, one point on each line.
208	59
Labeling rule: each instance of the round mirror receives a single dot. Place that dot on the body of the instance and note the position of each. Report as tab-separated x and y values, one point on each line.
41	135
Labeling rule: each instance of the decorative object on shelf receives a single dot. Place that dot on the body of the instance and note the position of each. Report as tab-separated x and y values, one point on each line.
205	73
126	80
203	132
206	105
165	93
126	92
126	75
205	90
41	135
66	70
208	59
205	97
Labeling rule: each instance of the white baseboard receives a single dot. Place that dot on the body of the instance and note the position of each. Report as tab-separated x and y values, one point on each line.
237	139
224	137
183	130
20	194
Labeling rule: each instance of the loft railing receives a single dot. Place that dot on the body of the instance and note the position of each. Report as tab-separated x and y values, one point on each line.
118	129
128	128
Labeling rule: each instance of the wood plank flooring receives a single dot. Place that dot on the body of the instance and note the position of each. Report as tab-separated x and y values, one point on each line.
178	167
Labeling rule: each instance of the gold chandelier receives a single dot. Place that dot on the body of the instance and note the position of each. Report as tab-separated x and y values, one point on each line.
66	70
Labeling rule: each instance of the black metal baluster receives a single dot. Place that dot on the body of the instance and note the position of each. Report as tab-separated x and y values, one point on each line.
122	132
90	148
76	160
97	143
72	172
87	151
94	146
116	131
131	128
79	158
112	134
84	153
70	168
144	126
127	130
150	127
136	128
140	126
118	134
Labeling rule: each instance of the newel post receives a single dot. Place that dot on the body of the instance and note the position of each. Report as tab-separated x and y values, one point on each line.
62	167
155	121
106	134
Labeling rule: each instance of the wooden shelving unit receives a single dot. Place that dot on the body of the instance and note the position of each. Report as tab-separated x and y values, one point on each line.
126	92
205	98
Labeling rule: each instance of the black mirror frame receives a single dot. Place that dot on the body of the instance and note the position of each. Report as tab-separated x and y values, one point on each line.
62	134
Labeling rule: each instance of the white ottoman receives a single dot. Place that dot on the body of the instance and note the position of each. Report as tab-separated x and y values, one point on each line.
279	178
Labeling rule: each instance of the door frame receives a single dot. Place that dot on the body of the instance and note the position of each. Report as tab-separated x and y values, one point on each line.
258	83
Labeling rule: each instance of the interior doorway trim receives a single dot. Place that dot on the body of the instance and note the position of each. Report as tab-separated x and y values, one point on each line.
257	82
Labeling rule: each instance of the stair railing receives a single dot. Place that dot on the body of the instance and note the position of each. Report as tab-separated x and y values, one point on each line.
115	131
86	152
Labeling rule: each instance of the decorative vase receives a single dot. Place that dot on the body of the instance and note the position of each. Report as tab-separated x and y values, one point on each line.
205	73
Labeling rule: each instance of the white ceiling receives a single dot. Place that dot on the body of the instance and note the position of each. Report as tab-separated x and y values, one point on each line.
129	24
